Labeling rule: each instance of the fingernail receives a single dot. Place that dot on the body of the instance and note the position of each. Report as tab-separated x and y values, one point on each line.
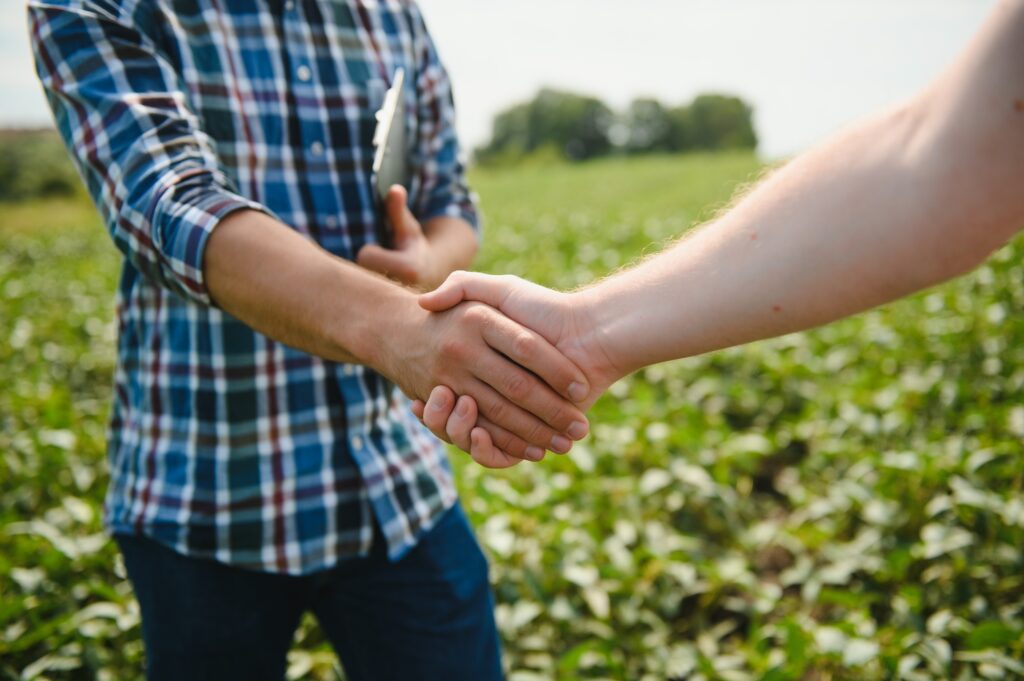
578	430
462	409
534	453
578	392
438	405
561	444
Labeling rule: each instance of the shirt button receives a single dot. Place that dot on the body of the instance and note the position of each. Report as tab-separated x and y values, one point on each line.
289	6
332	222
349	370
304	73
357	442
317	148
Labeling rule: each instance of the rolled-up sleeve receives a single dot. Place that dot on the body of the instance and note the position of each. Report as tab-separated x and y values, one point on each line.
123	114
444	190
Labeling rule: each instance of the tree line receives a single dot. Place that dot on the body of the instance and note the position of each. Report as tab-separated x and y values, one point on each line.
580	127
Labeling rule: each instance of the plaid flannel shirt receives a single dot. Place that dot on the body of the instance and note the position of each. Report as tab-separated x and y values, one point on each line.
224	443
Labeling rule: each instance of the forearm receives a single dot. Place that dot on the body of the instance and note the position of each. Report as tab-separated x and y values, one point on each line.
291	290
896	204
454	245
816	241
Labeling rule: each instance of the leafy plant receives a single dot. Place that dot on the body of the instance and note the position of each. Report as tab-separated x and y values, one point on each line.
842	504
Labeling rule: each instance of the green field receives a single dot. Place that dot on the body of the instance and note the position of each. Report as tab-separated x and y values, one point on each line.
844	504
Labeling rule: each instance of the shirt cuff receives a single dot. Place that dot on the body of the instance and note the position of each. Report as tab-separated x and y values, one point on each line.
185	217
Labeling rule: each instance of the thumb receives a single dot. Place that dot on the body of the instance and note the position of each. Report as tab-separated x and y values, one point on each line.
387	262
400	217
460	286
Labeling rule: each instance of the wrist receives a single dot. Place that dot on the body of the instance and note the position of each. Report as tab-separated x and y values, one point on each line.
605	366
368	333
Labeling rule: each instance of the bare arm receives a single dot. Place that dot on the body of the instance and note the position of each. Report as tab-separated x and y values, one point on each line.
897	203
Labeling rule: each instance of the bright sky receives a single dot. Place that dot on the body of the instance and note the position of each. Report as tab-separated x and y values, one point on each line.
808	66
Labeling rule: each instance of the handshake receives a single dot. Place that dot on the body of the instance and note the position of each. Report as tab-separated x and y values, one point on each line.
531	361
500	367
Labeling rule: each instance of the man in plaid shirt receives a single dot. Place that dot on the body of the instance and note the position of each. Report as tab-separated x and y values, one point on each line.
263	459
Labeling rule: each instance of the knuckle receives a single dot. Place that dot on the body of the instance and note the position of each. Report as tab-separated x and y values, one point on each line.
517	387
524	346
498	411
454	346
539	434
476	313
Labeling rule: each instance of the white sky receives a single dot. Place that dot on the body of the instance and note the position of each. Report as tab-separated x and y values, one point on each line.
808	66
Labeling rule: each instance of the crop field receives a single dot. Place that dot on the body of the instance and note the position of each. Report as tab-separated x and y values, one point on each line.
841	504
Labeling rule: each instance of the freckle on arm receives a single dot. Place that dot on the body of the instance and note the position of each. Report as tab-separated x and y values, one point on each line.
1018	105
776	308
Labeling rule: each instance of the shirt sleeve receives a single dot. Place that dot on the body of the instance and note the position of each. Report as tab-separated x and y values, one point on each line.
122	112
444	189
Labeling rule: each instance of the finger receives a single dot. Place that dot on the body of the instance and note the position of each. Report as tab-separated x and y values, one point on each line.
507	443
461	286
439	407
532	351
417	408
461	422
400	218
486	454
499	410
393	264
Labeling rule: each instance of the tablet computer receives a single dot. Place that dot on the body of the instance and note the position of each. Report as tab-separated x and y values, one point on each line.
391	152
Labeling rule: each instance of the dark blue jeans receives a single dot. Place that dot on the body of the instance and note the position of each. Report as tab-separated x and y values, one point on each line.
427	616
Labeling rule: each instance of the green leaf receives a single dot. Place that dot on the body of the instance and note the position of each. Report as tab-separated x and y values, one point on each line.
991	634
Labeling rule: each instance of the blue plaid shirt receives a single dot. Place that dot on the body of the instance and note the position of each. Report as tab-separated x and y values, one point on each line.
223	443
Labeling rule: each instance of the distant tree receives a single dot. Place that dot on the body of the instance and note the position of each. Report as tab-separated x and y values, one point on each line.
649	127
580	127
577	125
719	122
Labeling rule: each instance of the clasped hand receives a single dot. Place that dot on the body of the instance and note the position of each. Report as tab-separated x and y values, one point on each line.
564	320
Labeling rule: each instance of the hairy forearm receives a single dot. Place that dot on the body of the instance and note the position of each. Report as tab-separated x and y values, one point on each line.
817	240
288	288
895	204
